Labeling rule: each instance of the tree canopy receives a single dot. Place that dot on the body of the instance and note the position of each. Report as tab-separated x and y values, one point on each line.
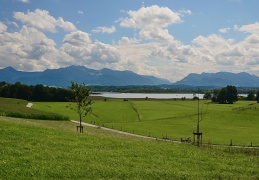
34	93
226	95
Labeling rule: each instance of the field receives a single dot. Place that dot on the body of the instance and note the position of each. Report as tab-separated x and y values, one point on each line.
17	108
172	119
36	149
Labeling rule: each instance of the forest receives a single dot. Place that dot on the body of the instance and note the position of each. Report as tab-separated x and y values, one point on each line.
34	93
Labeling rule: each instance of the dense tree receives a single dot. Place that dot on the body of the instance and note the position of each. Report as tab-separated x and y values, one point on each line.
227	95
222	96
207	95
34	93
83	102
251	95
257	96
231	94
215	94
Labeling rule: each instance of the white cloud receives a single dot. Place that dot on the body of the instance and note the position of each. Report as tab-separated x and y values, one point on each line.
79	46
80	12
104	53
77	38
212	41
236	27
3	27
152	22
184	11
156	34
150	17
25	50
107	30
250	28
224	30
24	1
41	20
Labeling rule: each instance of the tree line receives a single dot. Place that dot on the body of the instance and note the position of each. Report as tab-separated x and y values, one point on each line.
34	93
229	95
225	95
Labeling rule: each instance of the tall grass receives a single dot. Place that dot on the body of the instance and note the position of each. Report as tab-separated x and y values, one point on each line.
53	150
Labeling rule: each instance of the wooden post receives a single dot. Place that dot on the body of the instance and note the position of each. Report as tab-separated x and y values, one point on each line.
81	129
199	138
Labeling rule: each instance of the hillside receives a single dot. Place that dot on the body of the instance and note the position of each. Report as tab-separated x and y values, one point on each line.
54	150
63	76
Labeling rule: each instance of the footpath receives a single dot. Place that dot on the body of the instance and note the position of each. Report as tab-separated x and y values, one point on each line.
29	105
159	139
114	130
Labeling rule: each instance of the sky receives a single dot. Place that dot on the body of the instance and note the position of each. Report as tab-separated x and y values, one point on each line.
164	38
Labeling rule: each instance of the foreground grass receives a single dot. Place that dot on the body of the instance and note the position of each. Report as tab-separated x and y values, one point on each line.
53	150
173	119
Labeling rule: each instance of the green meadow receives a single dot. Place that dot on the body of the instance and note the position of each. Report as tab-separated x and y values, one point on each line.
17	108
48	149
172	119
41	149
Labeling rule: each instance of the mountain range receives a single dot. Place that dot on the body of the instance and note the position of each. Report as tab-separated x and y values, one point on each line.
220	79
62	77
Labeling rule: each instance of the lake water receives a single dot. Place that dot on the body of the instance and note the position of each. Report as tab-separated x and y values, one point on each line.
151	95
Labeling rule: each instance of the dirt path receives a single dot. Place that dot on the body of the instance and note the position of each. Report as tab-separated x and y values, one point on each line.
147	137
29	105
114	130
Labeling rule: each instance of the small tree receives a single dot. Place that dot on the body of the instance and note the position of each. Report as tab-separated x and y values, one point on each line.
81	94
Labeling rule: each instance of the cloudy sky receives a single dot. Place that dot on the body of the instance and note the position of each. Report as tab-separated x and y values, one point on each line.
164	38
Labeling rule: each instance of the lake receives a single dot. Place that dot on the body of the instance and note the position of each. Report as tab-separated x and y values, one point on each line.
149	95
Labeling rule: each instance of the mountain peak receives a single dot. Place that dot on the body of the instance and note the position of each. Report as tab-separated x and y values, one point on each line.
9	68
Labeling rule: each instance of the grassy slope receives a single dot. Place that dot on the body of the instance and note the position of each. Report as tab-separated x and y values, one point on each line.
15	105
53	150
173	119
17	108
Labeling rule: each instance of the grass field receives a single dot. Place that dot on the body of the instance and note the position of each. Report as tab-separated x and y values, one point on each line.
36	149
173	119
17	108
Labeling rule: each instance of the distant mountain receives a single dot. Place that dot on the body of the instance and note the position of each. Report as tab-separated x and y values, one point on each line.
220	79
80	74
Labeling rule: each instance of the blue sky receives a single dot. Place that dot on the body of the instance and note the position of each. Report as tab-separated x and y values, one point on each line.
164	38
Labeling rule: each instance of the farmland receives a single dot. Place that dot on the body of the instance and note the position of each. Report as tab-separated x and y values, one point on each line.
172	119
